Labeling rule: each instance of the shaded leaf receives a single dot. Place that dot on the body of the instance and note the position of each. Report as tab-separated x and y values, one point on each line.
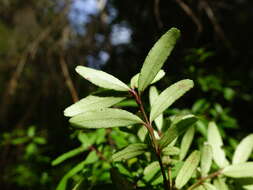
243	150
206	159
188	169
169	96
135	78
156	58
105	118
215	140
186	142
239	170
120	181
91	103
130	151
178	127
68	155
101	79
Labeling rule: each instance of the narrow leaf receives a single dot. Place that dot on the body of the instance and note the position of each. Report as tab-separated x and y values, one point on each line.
220	184
215	140
105	118
239	170
182	123
171	150
153	94
206	159
169	96
156	57
186	142
101	79
208	186
130	151
135	78
243	150
68	155
187	170
91	103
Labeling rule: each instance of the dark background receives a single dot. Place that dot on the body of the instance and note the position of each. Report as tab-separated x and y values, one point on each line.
41	42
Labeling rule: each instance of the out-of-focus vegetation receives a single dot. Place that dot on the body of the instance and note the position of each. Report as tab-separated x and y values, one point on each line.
41	42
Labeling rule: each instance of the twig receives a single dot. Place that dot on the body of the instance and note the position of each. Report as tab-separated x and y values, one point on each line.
191	14
157	13
200	181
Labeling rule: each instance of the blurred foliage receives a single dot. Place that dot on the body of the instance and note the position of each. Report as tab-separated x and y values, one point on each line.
42	41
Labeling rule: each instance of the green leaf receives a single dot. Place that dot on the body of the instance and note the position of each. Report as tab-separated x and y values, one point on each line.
206	159
156	58
68	155
153	94
220	184
130	151
105	118
151	170
91	103
186	142
120	181
182	123
101	79
215	140
135	78
208	186
239	170
63	183
169	96
243	150
171	150
188	169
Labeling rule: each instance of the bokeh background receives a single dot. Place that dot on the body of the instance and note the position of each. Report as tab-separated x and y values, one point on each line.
42	41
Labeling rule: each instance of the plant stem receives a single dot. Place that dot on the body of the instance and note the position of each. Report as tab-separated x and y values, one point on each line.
148	125
201	180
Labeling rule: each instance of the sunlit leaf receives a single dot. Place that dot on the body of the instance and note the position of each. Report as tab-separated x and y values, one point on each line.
156	58
91	103
135	78
243	150
220	184
101	79
186	142
239	170
181	124
130	151
187	170
171	150
169	96
153	94
215	140
209	186
105	118
206	159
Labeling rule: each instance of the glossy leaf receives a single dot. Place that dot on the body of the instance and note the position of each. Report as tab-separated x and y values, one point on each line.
187	169
68	155
156	58
91	103
105	118
181	124
215	140
186	142
101	79
169	96
130	151
206	159
239	170
243	150
153	94
135	78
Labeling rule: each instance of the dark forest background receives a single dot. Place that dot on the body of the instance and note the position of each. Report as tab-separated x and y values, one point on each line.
42	41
